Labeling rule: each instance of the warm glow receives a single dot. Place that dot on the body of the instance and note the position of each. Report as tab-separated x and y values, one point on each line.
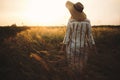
44	12
54	12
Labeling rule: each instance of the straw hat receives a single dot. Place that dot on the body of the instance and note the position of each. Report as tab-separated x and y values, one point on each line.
76	10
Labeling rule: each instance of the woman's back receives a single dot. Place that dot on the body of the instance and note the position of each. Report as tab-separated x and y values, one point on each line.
78	33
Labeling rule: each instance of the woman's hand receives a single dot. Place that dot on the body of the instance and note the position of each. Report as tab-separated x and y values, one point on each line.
93	48
63	48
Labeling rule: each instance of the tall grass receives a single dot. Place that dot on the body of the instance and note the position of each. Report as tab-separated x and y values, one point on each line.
33	54
41	38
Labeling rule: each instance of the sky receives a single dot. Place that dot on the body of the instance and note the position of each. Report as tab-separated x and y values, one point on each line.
54	12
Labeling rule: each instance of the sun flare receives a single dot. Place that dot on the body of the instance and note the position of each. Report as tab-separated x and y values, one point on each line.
44	13
54	12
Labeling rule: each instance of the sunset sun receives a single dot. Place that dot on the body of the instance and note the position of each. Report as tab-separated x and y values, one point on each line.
44	13
54	12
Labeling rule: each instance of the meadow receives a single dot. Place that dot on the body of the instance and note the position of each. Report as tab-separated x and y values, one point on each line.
33	53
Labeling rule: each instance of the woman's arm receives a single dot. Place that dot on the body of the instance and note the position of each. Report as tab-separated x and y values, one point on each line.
91	41
89	35
66	38
67	35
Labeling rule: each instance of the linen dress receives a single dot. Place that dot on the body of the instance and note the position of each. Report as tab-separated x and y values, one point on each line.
78	39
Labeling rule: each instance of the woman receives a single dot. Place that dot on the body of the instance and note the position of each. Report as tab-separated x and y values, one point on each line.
78	38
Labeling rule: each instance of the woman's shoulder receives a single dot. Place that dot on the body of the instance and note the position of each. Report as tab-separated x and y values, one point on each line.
73	23
73	20
87	20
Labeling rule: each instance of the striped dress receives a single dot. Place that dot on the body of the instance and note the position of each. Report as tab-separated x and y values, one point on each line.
78	38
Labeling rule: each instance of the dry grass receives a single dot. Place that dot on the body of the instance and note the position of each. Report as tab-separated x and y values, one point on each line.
33	54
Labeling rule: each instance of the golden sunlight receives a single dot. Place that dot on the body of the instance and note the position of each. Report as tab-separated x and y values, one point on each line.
44	12
54	12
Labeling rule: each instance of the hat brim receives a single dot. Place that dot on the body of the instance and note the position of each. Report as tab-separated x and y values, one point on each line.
74	13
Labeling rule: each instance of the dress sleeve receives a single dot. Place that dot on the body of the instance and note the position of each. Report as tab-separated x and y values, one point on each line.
90	36
67	35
